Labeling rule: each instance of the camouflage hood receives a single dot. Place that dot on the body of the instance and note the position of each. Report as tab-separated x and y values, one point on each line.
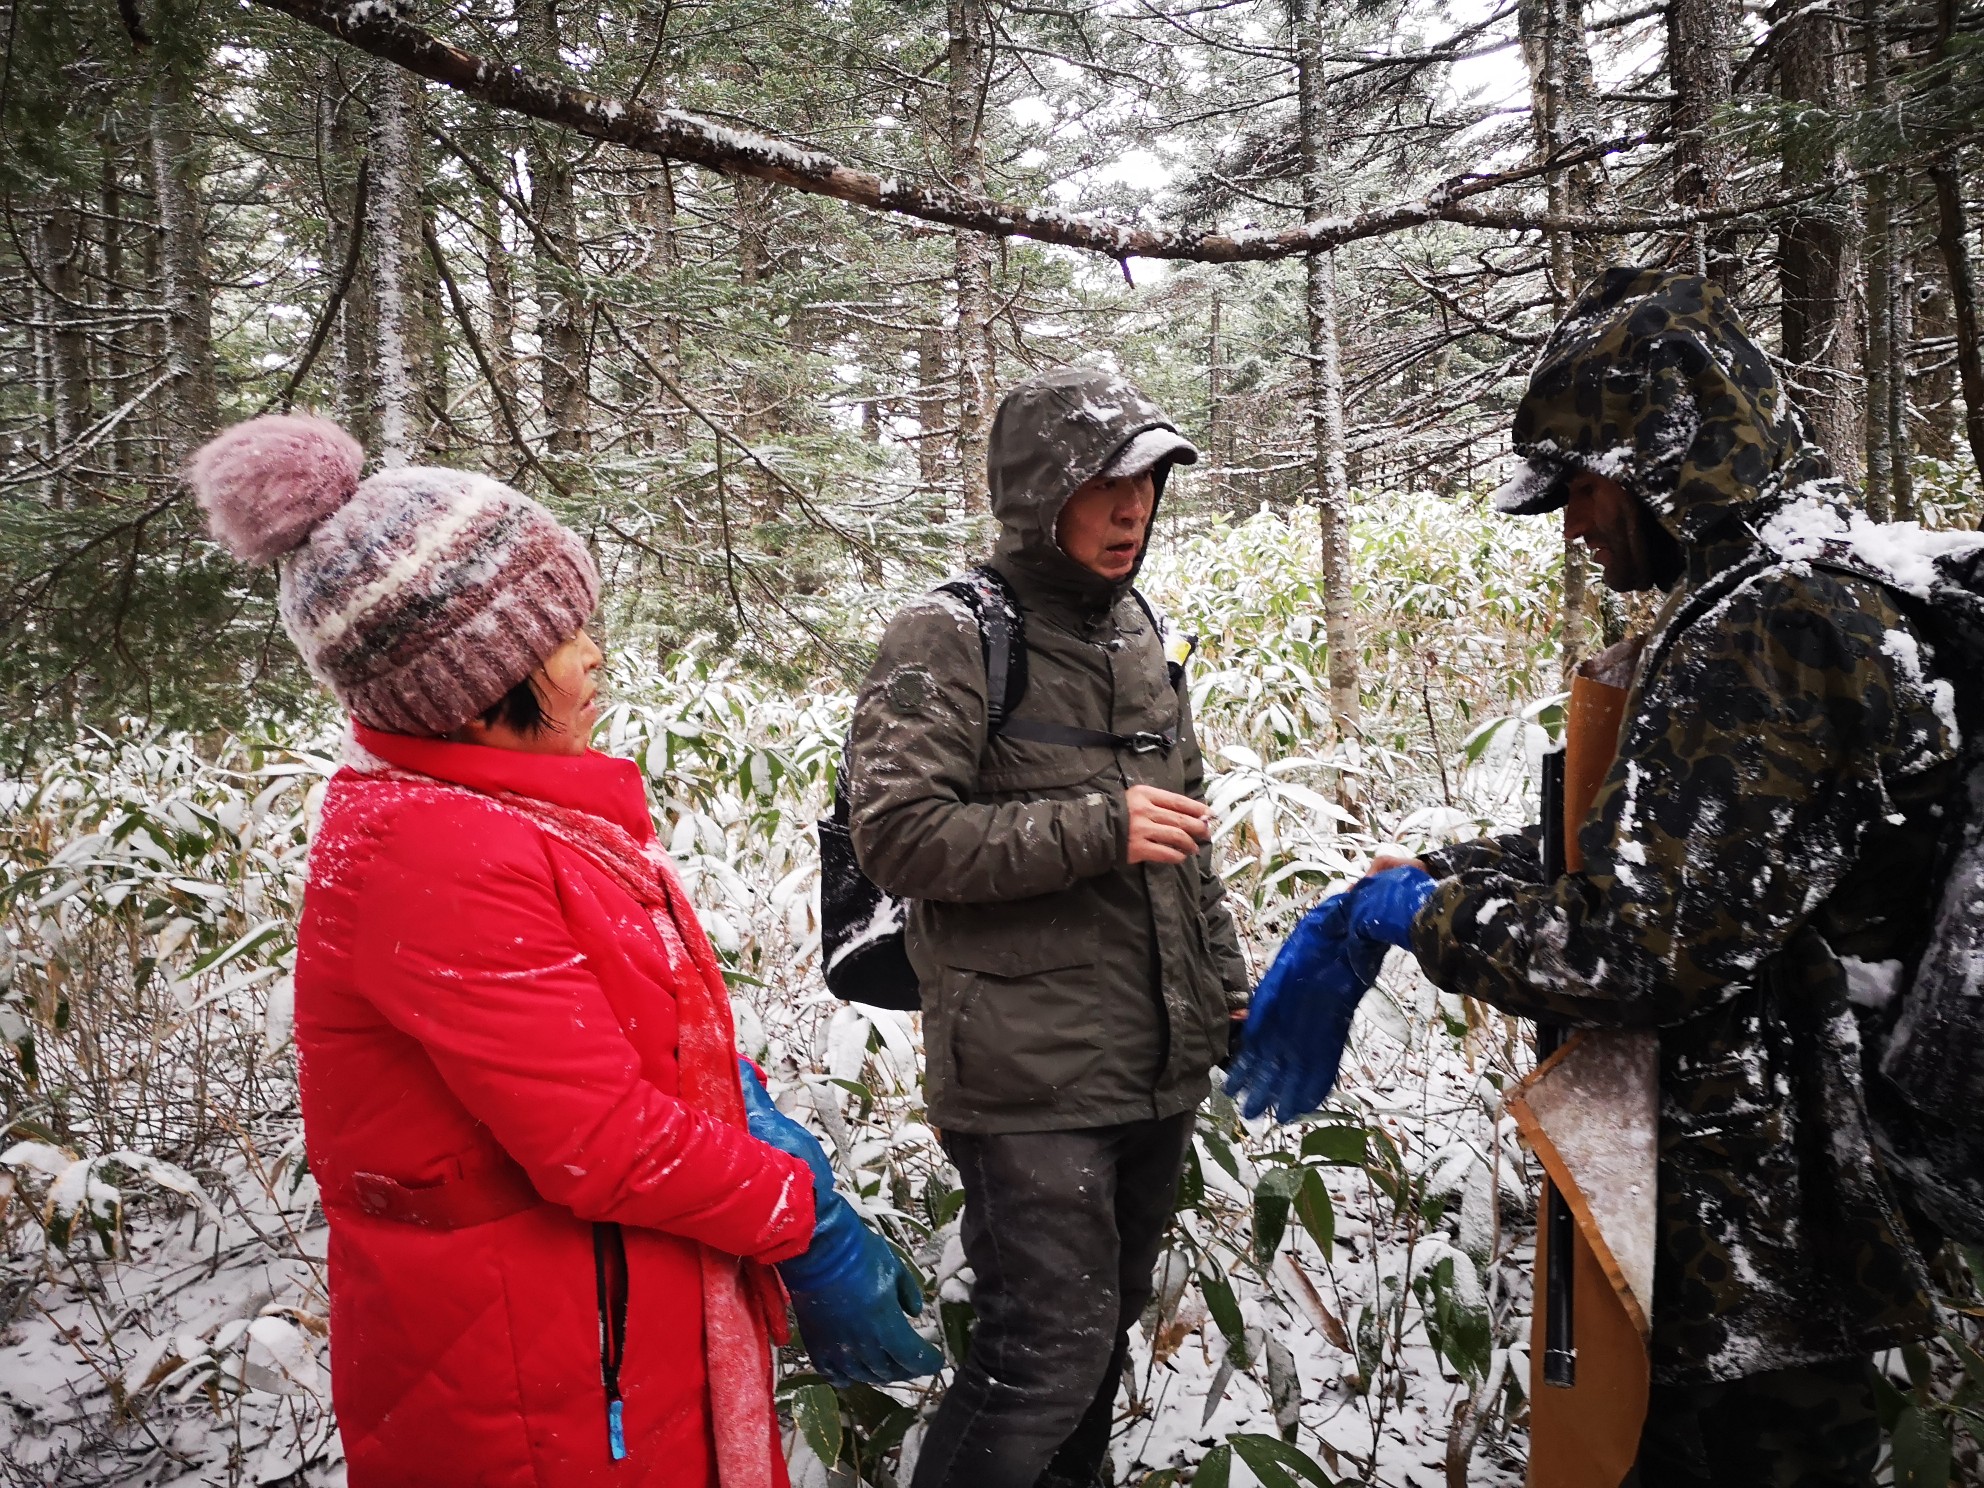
1050	436
1652	380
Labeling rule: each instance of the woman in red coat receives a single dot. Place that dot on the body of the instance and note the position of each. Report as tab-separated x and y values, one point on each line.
553	1204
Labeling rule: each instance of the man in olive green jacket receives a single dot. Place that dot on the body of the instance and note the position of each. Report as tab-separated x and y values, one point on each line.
1079	969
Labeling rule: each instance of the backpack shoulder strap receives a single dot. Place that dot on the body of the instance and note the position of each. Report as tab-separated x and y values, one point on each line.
1001	640
1040	731
1175	670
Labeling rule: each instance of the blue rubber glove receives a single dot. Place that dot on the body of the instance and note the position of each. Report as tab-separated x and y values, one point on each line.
850	1291
1299	1019
1383	906
1301	1013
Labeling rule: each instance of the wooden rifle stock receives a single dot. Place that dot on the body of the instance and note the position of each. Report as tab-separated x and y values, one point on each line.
1590	1112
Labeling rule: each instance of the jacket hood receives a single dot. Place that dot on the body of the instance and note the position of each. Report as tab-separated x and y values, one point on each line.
1652	380
1051	435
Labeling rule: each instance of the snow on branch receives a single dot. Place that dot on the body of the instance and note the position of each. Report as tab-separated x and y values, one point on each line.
674	134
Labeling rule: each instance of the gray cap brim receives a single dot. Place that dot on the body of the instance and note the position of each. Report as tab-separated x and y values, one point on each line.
1148	450
1534	487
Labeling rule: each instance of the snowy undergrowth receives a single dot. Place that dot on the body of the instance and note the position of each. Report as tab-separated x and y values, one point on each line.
1343	1300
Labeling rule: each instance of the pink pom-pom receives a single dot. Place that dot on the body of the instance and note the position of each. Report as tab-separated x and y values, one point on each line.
265	483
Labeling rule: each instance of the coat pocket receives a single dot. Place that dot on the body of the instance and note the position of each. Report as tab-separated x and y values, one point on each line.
1026	1025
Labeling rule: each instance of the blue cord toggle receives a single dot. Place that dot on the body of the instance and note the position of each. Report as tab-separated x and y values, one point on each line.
616	1435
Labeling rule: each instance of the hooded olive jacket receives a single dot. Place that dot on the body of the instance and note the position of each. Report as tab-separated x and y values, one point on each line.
1061	987
1772	809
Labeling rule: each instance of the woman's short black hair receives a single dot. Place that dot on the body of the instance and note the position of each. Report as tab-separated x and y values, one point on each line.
520	708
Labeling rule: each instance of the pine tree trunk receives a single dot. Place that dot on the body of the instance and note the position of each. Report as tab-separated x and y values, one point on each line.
61	265
1932	386
1953	242
973	350
159	413
1218	490
192	402
395	294
561	312
41	342
117	358
1564	111
1880	282
1698	67
1953	239
434	328
663	255
345	130
930	402
500	273
753	266
1814	251
1901	434
1326	382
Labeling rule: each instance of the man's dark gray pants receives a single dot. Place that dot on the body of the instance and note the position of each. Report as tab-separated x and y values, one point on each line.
1062	1230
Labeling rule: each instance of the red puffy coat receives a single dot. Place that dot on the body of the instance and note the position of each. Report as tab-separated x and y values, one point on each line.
486	1028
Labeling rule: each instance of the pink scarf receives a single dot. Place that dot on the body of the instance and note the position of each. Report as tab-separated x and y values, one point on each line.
743	1301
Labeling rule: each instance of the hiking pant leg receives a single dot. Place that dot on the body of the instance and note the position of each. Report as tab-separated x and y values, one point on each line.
1813	1427
1042	1235
1147	1170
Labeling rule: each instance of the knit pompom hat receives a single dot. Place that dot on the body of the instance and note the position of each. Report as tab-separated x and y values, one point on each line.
419	595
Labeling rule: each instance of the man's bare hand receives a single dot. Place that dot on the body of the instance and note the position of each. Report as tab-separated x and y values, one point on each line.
1384	861
1165	827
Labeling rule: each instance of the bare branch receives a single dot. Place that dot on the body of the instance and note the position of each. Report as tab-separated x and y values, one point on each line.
673	134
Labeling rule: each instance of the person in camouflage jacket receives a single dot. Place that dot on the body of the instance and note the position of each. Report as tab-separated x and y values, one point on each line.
1769	824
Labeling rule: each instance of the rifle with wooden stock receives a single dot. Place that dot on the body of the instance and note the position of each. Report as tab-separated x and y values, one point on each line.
1590	1112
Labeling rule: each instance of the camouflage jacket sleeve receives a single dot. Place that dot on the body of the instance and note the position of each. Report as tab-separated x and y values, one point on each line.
1222	937
913	757
1757	754
1512	853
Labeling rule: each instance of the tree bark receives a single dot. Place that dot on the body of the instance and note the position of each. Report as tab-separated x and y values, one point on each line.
753	218
1326	380
973	352
500	275
1814	251
1932	386
192	402
62	246
930	401
41	344
663	260
1564	114
561	312
117	357
429	351
344	131
395	295
1218	436
1901	433
1953	240
1880	282
1698	68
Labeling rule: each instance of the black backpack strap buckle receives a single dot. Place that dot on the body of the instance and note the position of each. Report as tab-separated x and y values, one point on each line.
1149	743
